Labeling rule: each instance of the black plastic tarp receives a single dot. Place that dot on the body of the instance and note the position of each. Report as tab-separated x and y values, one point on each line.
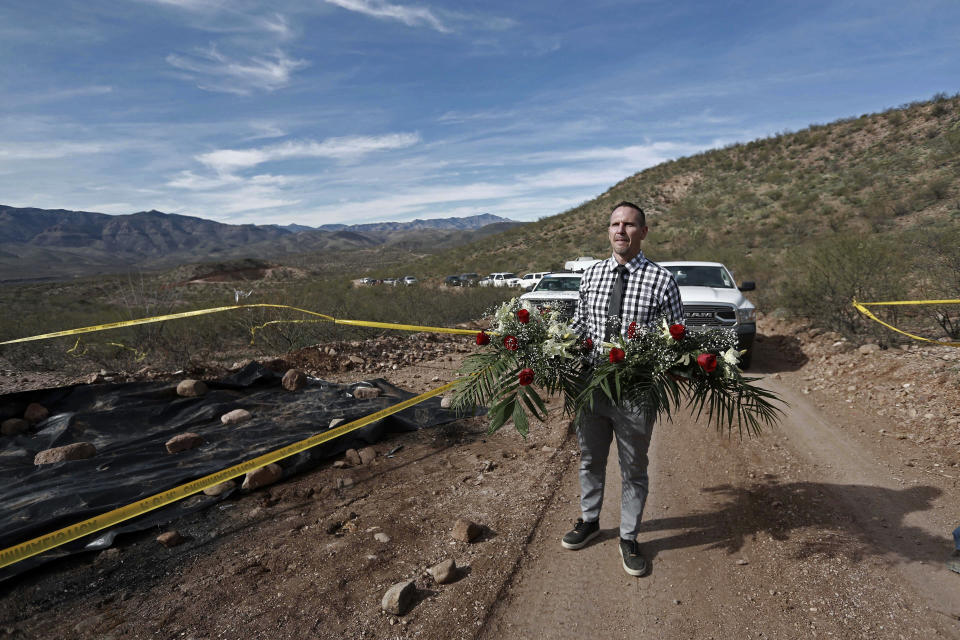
129	425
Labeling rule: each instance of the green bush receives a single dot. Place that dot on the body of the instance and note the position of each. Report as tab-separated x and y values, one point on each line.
824	277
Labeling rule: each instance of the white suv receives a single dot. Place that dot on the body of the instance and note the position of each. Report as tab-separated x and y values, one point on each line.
501	279
711	298
530	280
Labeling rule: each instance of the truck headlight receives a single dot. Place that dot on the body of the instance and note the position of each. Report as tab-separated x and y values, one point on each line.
747	316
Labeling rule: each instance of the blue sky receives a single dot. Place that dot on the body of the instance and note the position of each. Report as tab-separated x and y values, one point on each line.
322	111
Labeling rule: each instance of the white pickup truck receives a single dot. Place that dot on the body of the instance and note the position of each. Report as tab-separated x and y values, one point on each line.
711	298
580	264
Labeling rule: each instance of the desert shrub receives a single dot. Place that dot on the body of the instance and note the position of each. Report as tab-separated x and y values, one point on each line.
823	278
937	261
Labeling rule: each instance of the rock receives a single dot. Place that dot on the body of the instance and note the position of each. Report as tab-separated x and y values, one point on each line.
191	388
171	538
867	349
367	455
444	572
294	380
343	483
352	457
742	562
336	422
380	536
35	412
218	489
366	393
75	451
465	530
446	402
399	598
235	417
355	359
184	441
14	426
341	464
263	476
547	449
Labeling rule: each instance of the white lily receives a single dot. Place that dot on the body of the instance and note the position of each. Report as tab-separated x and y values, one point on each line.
666	330
731	356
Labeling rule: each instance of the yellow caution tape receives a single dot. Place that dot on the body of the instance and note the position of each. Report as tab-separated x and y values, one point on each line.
201	312
52	540
862	308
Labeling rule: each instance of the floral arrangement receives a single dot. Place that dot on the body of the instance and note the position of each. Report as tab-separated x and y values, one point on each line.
655	369
527	348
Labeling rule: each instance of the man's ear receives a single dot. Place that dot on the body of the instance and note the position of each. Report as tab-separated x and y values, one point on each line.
643	232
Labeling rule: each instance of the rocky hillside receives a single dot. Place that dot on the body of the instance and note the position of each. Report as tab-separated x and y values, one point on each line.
754	205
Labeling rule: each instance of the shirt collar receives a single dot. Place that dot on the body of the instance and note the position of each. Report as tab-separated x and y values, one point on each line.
632	266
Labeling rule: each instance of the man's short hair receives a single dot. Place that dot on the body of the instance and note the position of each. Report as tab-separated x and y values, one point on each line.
628	204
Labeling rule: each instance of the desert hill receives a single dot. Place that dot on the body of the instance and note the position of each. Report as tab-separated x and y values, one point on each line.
40	243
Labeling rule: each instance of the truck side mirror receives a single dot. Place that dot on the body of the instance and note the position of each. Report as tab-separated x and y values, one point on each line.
748	285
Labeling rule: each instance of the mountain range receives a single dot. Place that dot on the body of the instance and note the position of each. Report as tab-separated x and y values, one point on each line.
44	243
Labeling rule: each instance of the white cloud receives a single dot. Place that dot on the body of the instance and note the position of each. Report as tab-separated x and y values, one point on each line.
48	150
214	71
226	161
410	16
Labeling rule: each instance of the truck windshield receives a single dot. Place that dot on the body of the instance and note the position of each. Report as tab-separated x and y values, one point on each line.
688	276
558	284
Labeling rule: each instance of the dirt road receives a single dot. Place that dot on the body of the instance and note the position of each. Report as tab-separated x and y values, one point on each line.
811	531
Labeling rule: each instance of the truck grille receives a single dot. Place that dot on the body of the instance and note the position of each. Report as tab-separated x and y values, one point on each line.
566	308
701	315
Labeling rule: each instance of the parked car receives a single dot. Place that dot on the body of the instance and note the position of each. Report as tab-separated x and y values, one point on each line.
368	281
452	281
580	264
501	279
408	280
469	279
391	281
530	280
557	291
711	298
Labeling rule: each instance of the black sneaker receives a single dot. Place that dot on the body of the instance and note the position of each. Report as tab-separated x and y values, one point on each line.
582	533
633	563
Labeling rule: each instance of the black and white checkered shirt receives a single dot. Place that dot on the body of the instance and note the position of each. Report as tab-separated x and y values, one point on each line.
651	293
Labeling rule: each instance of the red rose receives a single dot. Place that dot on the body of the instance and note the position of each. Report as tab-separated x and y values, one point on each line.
511	343
617	355
678	331
526	377
632	330
588	344
523	316
482	339
707	362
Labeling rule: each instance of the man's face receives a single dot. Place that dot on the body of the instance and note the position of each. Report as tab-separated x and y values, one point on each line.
626	233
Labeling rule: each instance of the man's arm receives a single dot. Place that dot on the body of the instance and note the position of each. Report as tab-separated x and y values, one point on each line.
671	304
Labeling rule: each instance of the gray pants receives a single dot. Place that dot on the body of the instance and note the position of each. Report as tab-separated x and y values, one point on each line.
633	431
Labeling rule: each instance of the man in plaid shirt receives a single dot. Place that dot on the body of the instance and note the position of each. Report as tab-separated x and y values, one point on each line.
624	288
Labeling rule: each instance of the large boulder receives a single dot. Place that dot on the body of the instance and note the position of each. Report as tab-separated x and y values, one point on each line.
75	451
14	426
235	417
35	413
263	476
399	598
184	441
294	380
191	388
